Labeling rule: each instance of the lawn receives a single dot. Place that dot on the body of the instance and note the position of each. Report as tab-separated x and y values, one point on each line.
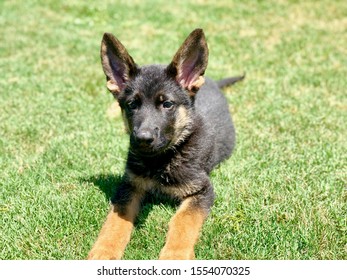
282	194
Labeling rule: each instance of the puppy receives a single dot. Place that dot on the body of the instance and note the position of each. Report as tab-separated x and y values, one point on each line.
180	128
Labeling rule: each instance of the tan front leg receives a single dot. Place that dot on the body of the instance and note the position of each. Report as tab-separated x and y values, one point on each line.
184	230
116	231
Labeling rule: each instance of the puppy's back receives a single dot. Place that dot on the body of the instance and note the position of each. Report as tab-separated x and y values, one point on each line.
212	105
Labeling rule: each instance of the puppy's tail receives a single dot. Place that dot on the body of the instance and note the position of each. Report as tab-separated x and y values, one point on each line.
230	81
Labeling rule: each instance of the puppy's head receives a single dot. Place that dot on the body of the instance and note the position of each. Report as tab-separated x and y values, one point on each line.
157	101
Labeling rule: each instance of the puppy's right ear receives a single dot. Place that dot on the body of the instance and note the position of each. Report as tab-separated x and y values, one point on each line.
117	64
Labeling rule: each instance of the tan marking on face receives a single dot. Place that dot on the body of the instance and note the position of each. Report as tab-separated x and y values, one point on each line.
181	126
126	123
184	231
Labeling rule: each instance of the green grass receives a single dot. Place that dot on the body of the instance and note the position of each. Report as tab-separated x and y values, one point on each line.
282	195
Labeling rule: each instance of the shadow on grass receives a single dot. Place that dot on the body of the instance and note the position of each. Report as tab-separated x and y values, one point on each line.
108	184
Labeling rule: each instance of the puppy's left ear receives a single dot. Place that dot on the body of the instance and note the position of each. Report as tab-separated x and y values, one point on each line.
189	63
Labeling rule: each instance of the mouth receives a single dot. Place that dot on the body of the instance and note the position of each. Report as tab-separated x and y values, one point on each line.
149	149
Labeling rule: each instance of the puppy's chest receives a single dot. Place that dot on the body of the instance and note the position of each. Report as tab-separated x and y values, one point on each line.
161	171
171	177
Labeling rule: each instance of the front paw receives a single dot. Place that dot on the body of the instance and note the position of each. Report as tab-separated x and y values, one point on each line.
104	253
176	254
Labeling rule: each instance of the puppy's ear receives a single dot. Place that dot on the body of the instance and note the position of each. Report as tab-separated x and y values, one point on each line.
189	63
117	64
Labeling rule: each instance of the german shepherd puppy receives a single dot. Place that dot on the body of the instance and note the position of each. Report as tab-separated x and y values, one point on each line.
180	128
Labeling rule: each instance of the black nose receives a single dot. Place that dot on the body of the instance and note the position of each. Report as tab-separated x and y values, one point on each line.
144	136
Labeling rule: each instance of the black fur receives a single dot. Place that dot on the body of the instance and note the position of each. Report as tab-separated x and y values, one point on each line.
179	123
179	169
210	140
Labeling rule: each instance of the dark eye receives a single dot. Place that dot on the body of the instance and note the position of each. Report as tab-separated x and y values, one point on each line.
132	105
168	104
